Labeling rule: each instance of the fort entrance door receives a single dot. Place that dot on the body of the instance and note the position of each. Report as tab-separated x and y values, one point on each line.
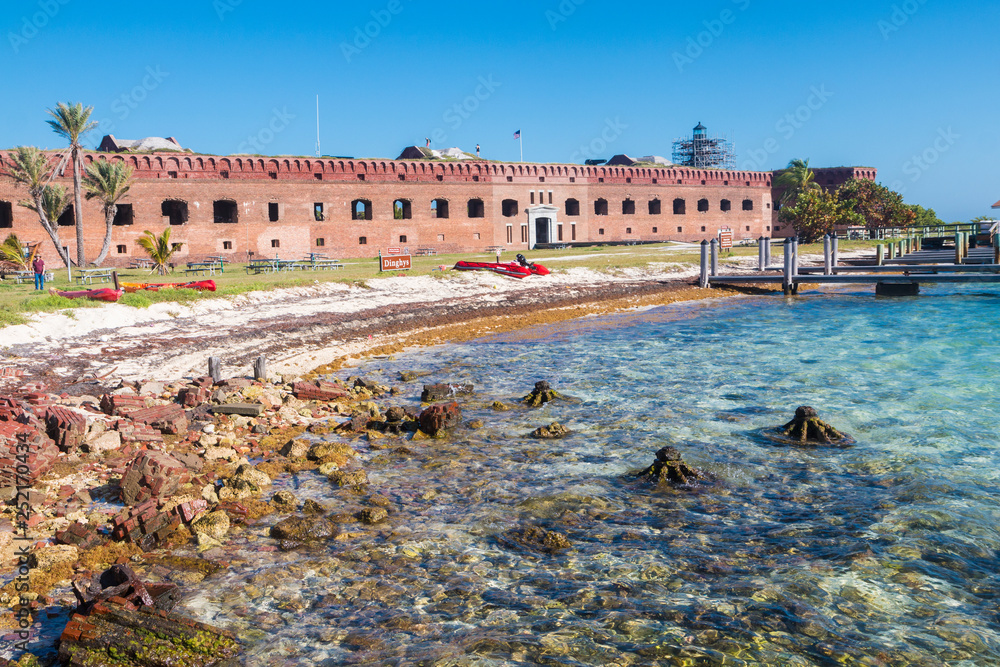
542	230
541	224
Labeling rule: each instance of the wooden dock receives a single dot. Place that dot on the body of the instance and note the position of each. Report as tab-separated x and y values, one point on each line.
908	265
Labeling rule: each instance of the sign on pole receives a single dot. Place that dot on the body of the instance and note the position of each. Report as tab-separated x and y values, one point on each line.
726	238
393	251
394	262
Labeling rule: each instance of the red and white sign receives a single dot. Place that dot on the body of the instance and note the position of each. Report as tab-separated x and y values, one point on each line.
394	263
394	251
726	238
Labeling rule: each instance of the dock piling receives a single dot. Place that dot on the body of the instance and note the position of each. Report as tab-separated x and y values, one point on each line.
835	251
703	282
827	256
761	254
715	256
795	255
958	247
879	255
767	252
787	275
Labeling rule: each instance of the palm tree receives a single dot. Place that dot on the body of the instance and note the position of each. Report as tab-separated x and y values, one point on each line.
796	178
12	251
109	182
30	167
159	248
71	123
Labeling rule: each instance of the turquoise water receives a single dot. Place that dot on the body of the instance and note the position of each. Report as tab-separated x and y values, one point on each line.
884	553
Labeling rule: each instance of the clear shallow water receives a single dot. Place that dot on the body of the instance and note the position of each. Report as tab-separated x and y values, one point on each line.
884	553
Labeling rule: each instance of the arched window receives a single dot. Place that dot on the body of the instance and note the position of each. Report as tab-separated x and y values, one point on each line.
361	209
6	215
628	207
680	207
747	204
476	208
174	212
439	208
726	205
703	206
225	211
509	208
654	206
572	207
601	207
401	209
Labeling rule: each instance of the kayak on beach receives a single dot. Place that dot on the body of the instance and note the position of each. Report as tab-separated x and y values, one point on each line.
101	294
521	268
205	285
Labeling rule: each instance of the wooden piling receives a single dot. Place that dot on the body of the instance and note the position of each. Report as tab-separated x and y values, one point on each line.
260	368
215	369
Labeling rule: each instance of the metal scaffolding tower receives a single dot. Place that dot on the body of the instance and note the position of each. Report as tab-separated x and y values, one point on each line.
703	152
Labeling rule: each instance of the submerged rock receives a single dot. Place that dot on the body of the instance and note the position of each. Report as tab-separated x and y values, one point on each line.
439	417
443	392
553	431
807	429
541	394
535	538
668	468
304	529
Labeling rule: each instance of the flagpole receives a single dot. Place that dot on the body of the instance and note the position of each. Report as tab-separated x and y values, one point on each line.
520	140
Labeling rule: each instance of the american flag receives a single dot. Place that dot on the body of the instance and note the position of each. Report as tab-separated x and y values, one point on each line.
517	135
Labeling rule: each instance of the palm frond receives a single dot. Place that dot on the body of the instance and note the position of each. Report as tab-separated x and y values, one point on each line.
107	181
71	121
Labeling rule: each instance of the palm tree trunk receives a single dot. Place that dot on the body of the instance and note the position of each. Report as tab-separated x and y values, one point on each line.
109	218
53	232
81	259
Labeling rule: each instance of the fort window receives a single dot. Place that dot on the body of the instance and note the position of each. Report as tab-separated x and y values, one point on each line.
748	228
361	177
66	219
402	238
572	179
654	207
362	240
524	233
559	236
510	233
318	176
726	205
175	212
628	230
361	209
628	180
122	250
318	212
320	242
171	174
224	211
769	228
176	246
600	232
550	196
123	215
628	207
680	208
601	207
768	205
6	215
224	174
510	207
440	177
401	209
747	204
402	177
475	236
476	208
702	229
273	175
703	206
510	179
227	245
440	237
532	193
572	232
275	243
541	179
572	207
655	181
475	178
680	230
272	212
439	207
703	182
654	230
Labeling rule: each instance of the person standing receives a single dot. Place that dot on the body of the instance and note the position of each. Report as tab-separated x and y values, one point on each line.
39	267
477	150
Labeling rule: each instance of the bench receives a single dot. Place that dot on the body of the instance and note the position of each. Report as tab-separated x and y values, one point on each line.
321	264
425	252
201	268
140	264
87	276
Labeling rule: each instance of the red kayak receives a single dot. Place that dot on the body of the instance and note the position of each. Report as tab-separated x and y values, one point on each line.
518	269
205	285
102	294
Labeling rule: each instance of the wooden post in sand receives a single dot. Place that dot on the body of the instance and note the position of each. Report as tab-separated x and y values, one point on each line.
215	369
260	368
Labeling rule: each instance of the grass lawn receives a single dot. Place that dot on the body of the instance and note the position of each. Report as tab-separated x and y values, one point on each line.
18	301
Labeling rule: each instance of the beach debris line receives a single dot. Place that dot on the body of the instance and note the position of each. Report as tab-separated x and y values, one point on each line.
806	428
670	469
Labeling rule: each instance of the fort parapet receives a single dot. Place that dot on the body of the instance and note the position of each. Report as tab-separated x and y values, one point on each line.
291	206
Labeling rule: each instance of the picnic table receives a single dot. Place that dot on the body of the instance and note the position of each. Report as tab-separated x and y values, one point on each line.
199	268
87	276
220	260
140	264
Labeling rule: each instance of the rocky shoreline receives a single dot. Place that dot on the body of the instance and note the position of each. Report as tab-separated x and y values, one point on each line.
97	474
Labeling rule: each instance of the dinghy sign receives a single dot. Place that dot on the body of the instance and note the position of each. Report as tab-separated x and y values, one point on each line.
393	262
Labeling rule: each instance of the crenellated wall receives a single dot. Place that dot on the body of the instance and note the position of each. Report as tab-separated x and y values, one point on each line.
588	204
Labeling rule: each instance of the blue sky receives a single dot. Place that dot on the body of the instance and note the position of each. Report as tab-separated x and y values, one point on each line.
909	87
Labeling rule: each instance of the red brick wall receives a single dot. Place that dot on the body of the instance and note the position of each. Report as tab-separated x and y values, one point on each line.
297	183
